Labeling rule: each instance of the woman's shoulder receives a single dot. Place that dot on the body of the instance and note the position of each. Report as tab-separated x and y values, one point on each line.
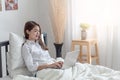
25	45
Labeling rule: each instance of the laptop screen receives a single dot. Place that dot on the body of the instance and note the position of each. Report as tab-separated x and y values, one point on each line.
70	59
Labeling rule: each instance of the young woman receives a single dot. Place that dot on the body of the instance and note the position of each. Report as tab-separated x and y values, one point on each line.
34	51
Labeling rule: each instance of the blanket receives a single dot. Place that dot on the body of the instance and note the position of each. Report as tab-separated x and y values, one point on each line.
77	72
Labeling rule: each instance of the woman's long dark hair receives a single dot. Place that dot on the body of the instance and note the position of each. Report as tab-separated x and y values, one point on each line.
29	26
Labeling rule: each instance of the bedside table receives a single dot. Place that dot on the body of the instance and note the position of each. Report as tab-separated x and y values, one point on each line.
88	55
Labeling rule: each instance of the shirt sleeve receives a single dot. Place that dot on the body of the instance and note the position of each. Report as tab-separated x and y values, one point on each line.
28	59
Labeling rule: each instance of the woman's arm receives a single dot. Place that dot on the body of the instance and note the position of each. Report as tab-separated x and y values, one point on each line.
28	59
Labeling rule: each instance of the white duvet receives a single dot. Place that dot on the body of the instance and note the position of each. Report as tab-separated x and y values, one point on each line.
78	72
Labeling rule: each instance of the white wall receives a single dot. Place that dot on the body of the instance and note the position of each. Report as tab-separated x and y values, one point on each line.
13	21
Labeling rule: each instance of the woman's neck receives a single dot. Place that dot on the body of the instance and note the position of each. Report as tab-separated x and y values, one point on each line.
31	40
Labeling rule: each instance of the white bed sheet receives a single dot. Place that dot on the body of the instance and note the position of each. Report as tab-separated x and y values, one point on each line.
78	72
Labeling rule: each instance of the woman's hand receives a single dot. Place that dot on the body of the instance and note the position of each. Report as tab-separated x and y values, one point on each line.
56	65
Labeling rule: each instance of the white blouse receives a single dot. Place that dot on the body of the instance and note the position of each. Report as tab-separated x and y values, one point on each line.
35	56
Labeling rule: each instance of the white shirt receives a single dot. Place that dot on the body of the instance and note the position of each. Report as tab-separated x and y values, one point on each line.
35	56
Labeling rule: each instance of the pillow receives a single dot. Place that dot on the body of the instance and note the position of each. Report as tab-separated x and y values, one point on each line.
15	61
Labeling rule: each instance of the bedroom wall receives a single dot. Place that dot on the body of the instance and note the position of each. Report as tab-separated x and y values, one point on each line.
13	21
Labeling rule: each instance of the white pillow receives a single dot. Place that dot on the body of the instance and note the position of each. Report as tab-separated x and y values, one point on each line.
15	61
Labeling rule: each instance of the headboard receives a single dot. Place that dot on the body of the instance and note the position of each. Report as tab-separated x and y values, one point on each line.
5	44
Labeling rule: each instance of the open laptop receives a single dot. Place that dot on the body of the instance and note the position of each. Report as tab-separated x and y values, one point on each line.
70	59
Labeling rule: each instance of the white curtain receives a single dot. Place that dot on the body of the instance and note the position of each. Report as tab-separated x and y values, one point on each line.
58	19
109	45
68	30
104	18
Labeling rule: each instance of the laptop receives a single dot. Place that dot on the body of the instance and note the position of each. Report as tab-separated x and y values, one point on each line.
70	59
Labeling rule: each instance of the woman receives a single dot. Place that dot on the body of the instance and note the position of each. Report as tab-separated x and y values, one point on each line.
34	51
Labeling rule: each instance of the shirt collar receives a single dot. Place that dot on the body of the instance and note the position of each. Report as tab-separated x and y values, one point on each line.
30	41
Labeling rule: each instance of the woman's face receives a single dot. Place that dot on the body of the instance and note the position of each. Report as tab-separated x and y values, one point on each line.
34	34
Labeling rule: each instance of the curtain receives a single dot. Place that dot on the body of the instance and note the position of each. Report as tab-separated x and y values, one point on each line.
103	16
109	45
68	30
58	19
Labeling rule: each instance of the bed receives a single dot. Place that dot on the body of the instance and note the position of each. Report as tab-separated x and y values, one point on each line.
78	72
